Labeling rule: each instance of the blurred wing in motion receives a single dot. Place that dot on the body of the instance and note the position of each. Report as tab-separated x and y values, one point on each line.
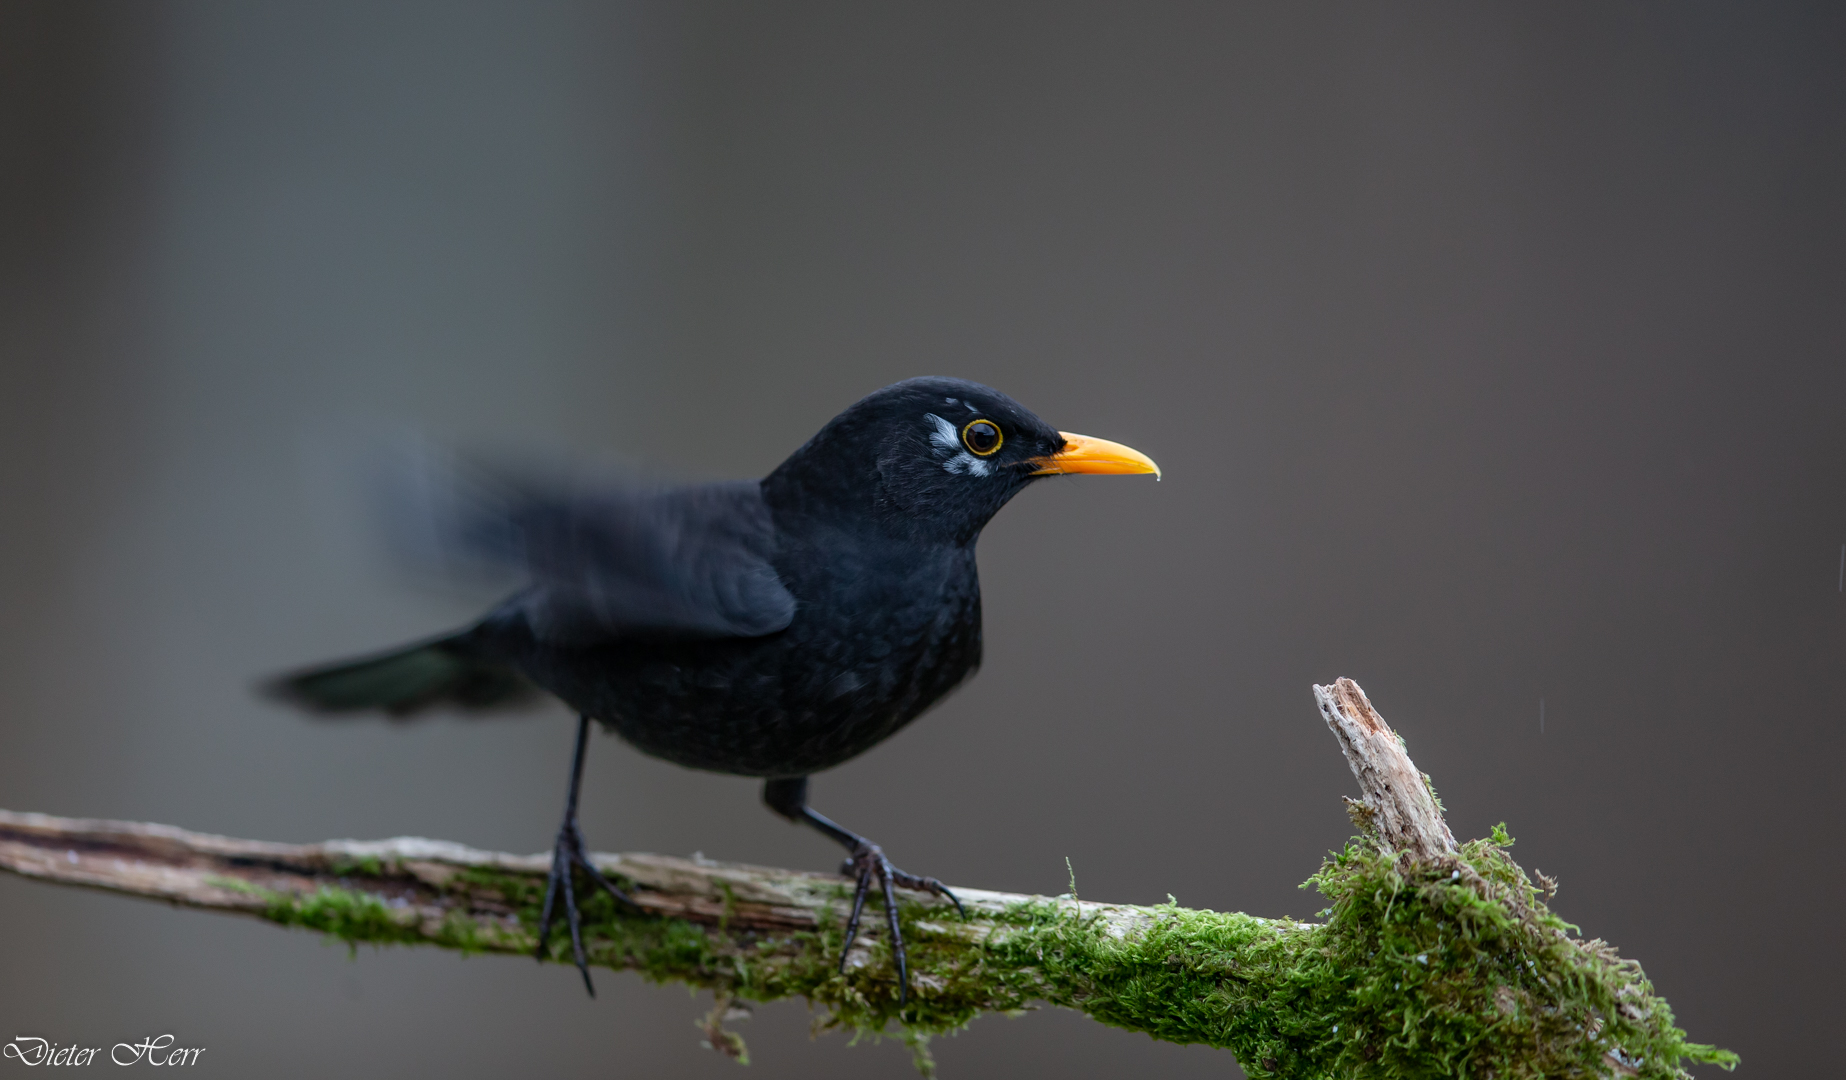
598	567
595	558
689	561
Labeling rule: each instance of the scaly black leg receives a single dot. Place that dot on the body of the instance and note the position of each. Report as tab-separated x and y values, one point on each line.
864	861
566	855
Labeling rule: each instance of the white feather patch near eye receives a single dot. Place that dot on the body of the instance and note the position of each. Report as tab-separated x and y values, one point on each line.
948	442
965	462
944	436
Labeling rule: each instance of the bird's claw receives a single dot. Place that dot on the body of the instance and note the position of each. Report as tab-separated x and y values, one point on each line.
867	862
566	855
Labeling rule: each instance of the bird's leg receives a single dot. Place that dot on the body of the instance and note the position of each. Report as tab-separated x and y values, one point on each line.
566	855
865	861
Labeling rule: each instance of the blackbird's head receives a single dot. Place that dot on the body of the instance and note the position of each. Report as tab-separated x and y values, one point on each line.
934	458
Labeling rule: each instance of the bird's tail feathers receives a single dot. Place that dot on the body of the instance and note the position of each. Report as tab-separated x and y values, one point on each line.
402	683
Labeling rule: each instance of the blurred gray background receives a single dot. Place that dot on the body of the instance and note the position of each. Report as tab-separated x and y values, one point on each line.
1493	353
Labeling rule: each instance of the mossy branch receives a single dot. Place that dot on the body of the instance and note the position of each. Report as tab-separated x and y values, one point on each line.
1435	959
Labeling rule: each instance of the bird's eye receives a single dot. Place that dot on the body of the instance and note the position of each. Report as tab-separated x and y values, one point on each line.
981	436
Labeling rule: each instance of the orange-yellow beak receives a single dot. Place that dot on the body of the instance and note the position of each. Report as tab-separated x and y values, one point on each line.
1082	454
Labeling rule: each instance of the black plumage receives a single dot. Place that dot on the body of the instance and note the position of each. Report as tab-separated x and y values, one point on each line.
768	629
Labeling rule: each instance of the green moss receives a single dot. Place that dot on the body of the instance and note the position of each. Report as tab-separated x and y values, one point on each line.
1457	969
364	866
1461	969
347	914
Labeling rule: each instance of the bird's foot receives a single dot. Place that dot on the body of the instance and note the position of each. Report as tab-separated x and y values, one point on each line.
566	856
868	862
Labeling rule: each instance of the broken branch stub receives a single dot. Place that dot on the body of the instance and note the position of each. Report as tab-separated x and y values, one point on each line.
1399	800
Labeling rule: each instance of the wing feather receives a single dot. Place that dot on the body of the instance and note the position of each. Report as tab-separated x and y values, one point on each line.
689	560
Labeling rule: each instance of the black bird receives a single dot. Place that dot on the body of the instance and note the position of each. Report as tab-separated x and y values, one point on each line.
767	628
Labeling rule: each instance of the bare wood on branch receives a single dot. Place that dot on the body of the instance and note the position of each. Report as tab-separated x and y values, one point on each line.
1397	797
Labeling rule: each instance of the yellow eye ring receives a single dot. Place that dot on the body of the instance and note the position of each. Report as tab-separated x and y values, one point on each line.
976	436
